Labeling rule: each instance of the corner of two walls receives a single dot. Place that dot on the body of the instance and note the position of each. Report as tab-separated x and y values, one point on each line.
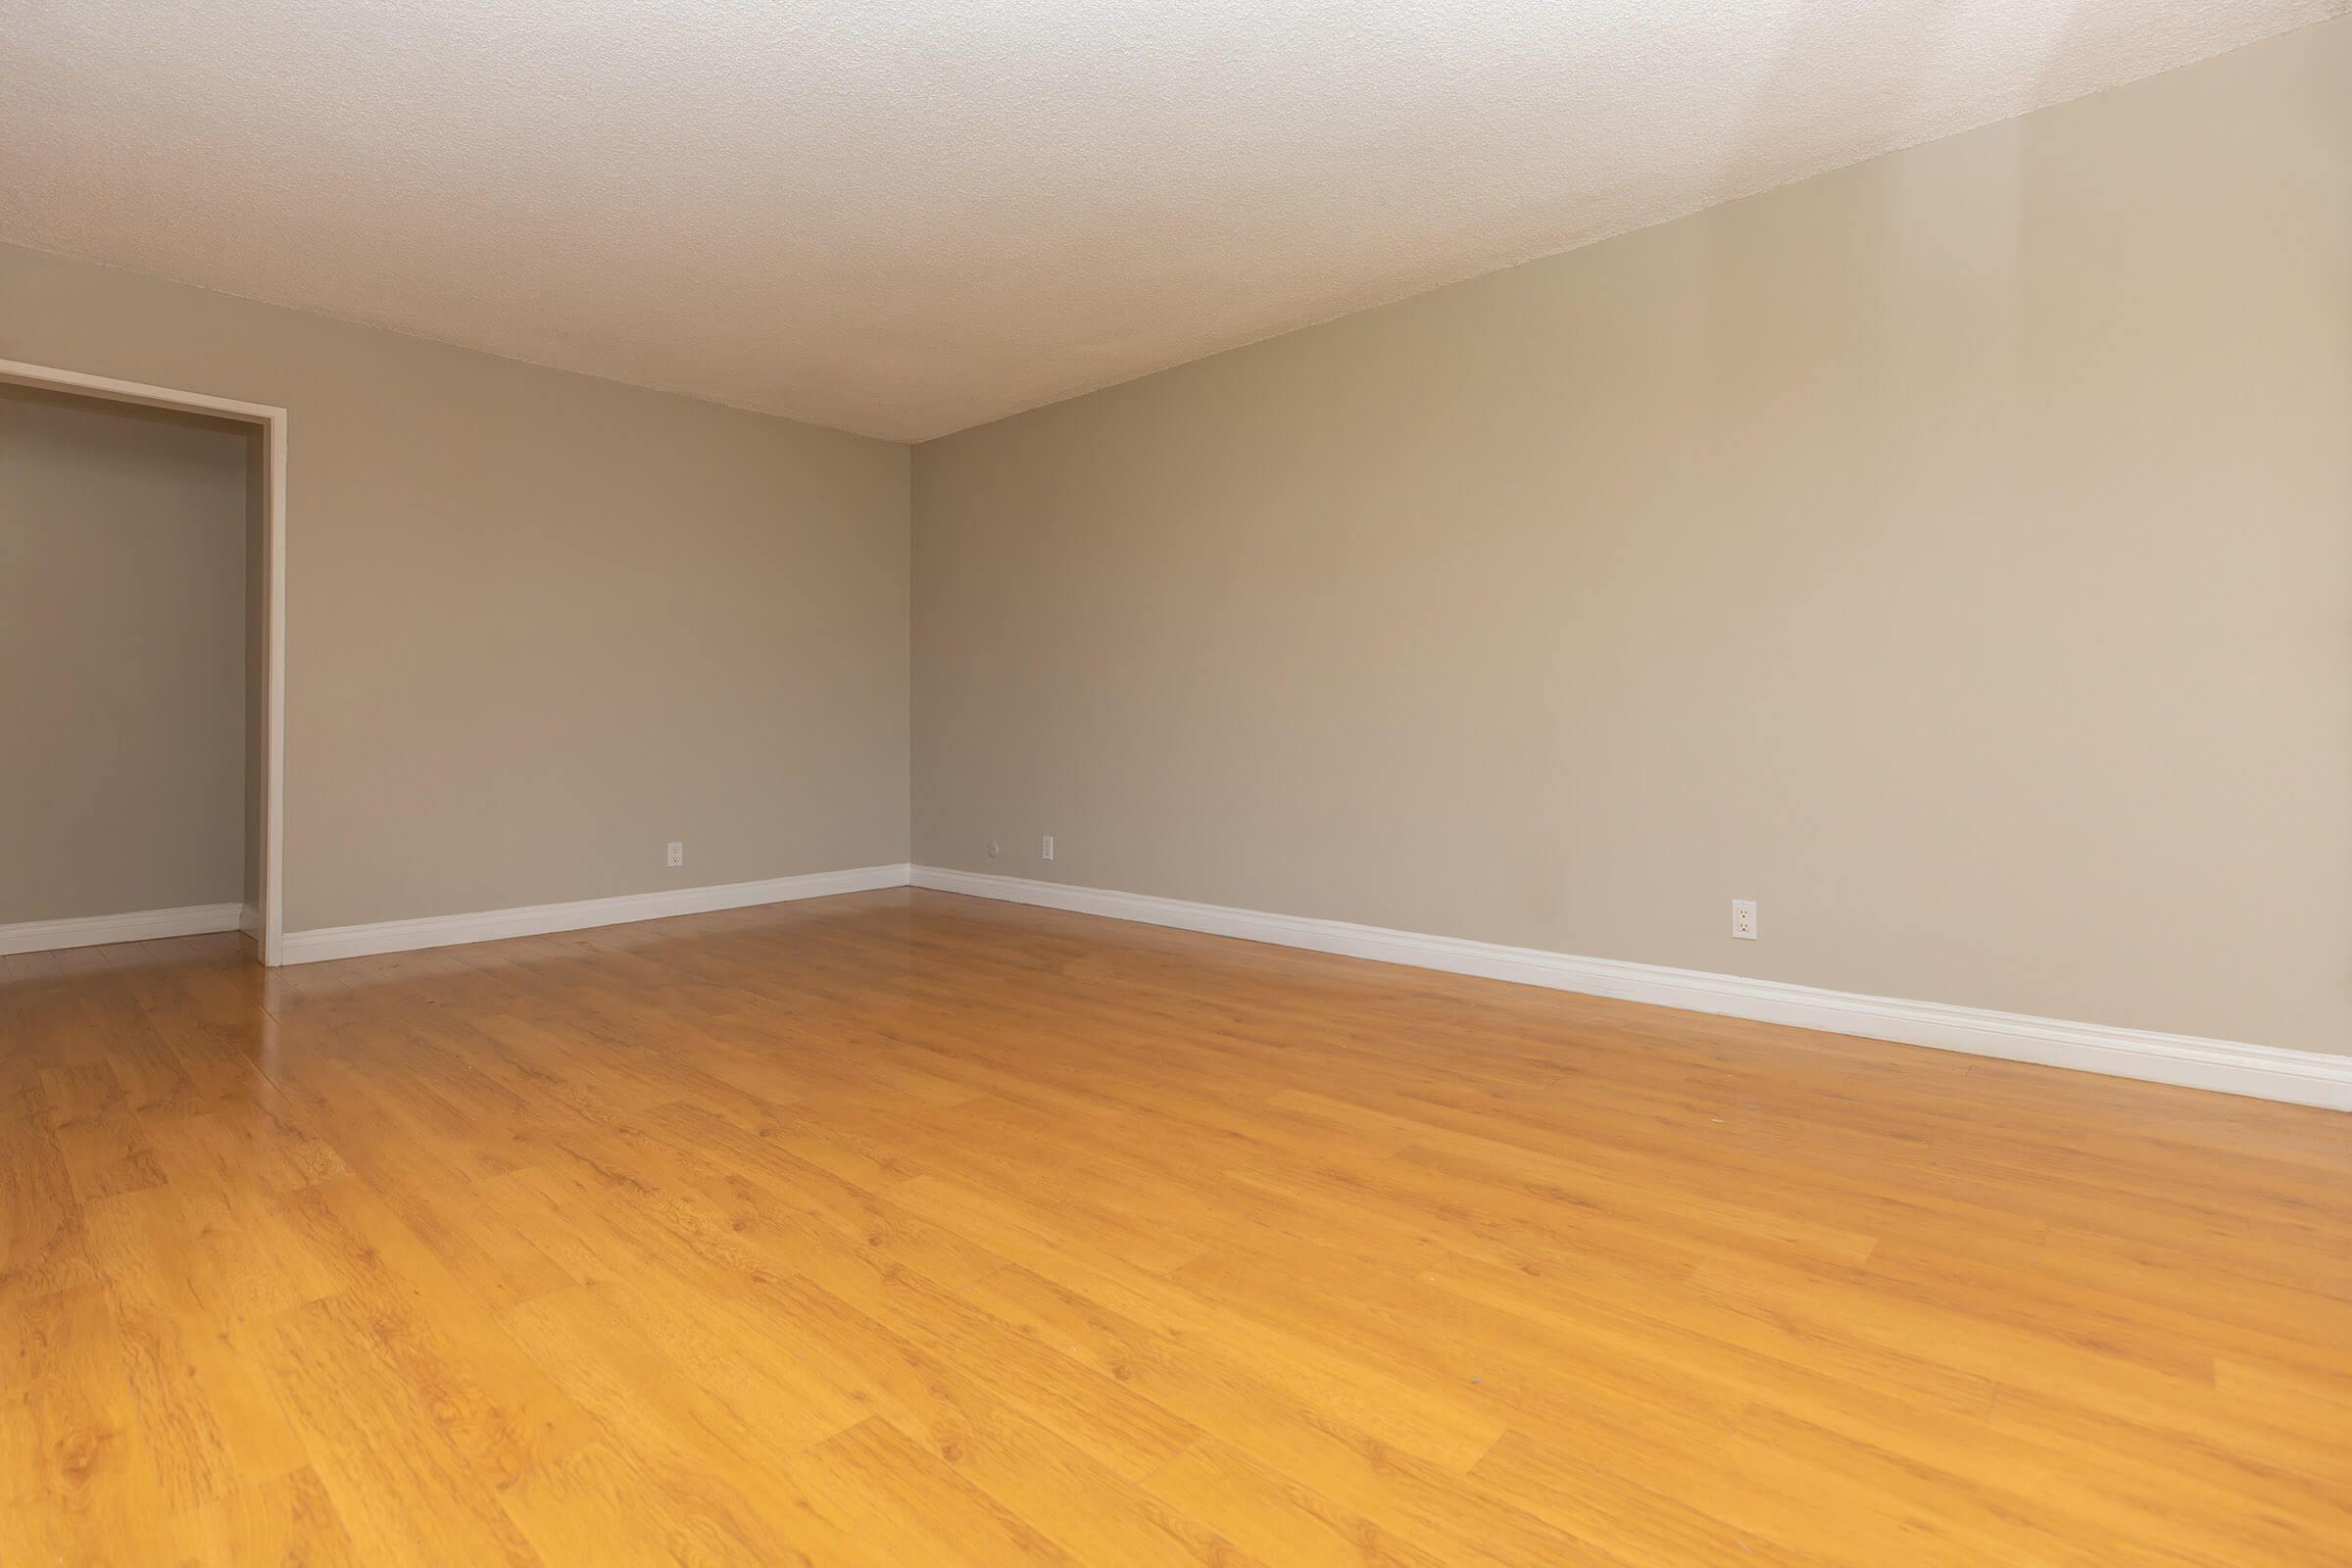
1949	552
539	625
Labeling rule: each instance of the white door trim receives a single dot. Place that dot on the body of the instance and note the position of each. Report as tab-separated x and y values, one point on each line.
273	421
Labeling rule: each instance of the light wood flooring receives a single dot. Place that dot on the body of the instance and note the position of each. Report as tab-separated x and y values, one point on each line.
904	1229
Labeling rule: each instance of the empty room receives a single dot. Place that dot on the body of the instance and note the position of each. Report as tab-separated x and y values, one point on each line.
1388	784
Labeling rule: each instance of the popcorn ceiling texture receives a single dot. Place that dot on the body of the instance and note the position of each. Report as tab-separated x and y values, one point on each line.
907	218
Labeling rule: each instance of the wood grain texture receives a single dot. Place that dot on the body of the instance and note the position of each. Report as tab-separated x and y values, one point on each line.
903	1228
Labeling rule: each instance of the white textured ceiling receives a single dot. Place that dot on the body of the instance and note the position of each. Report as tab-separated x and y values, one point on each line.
907	218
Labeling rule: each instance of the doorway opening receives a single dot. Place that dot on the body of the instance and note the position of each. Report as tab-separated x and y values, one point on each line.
142	561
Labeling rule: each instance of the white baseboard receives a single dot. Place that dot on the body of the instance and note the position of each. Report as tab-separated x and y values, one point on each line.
140	925
250	922
2265	1072
490	925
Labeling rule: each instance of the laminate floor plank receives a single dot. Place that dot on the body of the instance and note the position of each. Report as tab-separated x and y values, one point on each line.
904	1228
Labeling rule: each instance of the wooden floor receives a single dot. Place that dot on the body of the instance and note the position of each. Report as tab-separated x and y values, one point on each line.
908	1229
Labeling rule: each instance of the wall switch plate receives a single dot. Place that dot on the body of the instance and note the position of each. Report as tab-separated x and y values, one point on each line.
1744	919
1047	851
677	854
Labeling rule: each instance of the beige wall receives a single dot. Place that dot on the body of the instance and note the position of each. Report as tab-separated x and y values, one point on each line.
538	624
1953	553
121	636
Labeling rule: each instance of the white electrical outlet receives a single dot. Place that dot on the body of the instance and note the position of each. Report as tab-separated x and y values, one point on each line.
992	849
677	854
1744	919
1047	851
